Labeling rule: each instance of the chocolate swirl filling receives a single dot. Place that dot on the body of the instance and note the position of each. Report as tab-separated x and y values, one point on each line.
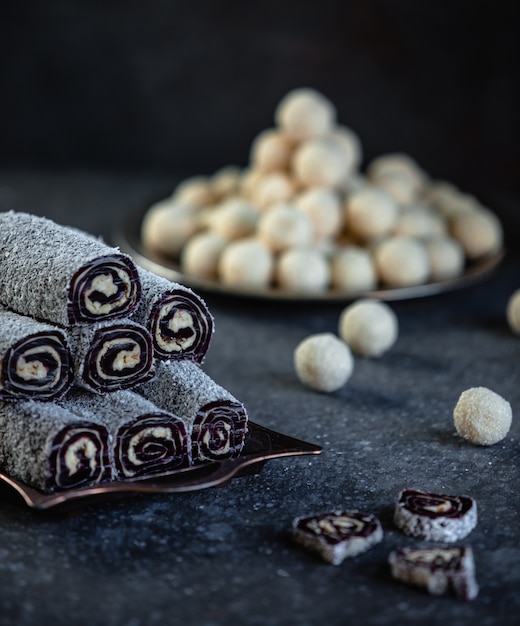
434	505
219	431
151	445
79	456
105	287
181	326
38	366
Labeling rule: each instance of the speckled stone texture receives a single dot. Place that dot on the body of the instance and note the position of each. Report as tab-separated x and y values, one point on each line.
223	556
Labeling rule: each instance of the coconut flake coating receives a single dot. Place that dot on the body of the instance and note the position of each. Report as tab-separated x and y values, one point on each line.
369	327
337	535
62	275
214	418
440	570
435	517
51	448
35	360
178	320
513	312
323	362
482	416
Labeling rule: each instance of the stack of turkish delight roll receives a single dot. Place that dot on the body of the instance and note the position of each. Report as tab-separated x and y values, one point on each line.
100	364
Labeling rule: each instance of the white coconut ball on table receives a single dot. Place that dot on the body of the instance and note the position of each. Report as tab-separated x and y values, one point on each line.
402	262
246	264
482	416
303	269
271	150
370	213
323	207
305	113
323	362
369	327
479	232
446	257
513	312
200	256
168	225
353	269
319	162
284	226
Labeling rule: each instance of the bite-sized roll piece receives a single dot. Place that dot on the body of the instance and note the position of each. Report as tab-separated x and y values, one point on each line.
62	275
145	440
441	570
113	355
51	448
35	360
436	517
337	535
178	319
216	420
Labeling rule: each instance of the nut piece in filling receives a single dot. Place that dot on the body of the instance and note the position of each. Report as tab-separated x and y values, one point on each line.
323	362
435	517
441	570
482	416
337	535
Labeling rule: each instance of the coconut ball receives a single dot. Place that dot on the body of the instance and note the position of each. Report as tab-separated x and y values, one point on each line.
350	144
397	185
446	257
284	226
271	151
323	362
482	416
323	207
402	262
370	213
479	232
513	312
168	225
270	189
419	221
353	269
319	162
369	327
448	200
200	255
305	113
246	263
195	191
248	182
234	218
303	270
398	164
226	182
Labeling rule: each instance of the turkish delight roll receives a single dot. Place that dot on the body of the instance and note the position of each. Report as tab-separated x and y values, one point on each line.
440	570
62	275
113	355
146	441
216	420
35	360
178	319
50	448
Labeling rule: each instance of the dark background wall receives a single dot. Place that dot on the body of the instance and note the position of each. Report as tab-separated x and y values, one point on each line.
185	86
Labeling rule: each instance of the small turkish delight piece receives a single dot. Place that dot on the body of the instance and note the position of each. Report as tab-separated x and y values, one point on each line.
436	517
441	570
338	535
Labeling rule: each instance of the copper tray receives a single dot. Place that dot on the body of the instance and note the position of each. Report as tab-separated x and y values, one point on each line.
262	444
128	240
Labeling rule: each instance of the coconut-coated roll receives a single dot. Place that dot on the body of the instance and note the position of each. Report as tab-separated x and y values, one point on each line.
178	319
113	355
61	275
35	360
216	420
145	440
50	448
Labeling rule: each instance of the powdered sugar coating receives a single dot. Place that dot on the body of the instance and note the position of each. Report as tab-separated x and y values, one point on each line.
323	362
482	416
370	327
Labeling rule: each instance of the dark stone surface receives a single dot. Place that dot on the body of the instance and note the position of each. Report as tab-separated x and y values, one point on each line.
223	556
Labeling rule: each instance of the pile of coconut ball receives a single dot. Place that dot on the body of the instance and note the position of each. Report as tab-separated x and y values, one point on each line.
303	217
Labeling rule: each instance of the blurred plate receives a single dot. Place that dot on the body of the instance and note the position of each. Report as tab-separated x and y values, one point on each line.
262	444
129	241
